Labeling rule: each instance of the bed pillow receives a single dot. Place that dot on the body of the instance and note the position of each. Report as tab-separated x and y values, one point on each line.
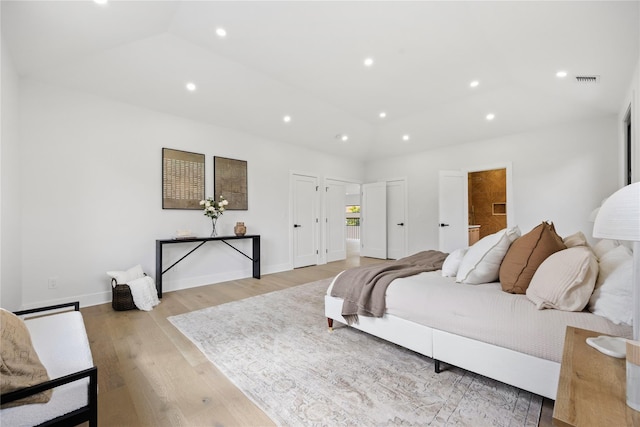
124	277
452	262
612	297
565	280
20	365
525	256
603	246
576	239
481	263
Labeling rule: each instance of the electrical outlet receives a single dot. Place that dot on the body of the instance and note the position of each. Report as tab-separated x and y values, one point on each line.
53	283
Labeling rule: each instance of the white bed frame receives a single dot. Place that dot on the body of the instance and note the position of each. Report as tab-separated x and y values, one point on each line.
534	374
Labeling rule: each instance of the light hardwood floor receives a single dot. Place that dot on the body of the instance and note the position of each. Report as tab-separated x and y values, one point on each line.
149	374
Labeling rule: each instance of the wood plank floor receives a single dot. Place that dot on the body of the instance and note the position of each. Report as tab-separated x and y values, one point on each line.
151	375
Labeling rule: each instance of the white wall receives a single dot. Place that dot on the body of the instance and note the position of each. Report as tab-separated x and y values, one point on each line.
631	100
91	185
559	174
10	238
352	199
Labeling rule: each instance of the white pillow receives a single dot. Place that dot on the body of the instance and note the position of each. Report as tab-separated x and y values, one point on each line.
612	297
124	277
452	262
481	263
604	246
565	280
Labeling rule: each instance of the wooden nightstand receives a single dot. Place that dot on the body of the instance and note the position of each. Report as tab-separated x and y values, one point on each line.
592	388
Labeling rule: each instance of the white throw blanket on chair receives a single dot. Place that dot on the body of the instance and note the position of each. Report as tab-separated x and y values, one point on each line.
144	293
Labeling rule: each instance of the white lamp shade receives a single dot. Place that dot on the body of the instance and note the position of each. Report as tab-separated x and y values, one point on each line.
619	216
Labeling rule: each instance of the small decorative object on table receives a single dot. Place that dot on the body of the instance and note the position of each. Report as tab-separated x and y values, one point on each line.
213	210
240	229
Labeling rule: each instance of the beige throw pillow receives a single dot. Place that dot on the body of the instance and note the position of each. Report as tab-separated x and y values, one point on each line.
565	280
576	239
525	256
20	366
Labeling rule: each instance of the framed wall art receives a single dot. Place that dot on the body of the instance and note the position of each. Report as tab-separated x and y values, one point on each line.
230	181
182	179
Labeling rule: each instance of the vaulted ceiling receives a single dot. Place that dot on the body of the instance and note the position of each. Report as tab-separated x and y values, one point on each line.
305	59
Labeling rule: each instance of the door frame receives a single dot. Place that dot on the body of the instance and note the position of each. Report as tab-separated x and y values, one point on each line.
292	254
323	226
508	166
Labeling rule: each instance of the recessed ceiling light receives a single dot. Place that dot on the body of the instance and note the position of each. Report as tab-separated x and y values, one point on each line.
191	86
101	2
406	137
286	119
221	32
368	62
561	74
491	116
342	137
382	115
474	83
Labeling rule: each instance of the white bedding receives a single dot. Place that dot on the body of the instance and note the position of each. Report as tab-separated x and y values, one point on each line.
54	338
486	313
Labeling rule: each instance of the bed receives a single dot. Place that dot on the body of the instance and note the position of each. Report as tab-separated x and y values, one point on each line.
478	327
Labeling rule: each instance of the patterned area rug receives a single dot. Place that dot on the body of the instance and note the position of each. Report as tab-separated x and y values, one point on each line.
276	348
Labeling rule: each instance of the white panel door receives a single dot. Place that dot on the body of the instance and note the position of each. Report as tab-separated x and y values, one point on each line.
373	220
396	219
453	206
305	217
335	203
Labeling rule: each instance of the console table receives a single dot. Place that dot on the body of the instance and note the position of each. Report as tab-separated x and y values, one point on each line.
224	239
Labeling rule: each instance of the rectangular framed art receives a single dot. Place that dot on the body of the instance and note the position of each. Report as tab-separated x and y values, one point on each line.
182	179
230	181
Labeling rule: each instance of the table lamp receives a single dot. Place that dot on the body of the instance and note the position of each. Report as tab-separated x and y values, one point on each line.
619	219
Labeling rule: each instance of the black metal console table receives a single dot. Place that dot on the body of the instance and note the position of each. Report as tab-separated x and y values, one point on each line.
160	243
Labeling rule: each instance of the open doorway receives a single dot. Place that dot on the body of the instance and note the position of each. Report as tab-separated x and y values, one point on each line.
352	219
487	192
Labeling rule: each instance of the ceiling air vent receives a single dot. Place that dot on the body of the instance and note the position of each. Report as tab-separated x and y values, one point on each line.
589	80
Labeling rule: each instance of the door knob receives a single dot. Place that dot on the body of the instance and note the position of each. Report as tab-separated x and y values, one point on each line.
444	225
296	225
401	224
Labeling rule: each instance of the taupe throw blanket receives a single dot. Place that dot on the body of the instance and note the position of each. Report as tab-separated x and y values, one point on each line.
363	289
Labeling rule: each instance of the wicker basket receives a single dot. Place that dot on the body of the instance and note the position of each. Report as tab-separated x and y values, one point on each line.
121	297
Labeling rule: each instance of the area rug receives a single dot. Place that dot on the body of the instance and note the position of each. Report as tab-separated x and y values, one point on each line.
277	349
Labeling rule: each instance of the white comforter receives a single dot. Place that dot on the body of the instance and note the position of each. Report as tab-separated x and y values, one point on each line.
486	313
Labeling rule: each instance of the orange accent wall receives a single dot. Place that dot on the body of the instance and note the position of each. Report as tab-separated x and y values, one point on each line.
487	188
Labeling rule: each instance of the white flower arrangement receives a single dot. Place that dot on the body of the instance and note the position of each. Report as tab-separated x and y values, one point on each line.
214	209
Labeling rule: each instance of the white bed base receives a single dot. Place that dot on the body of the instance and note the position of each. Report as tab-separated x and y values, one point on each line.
534	374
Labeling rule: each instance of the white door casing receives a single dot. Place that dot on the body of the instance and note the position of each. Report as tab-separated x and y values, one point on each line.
396	219
304	220
335	228
452	208
373	220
